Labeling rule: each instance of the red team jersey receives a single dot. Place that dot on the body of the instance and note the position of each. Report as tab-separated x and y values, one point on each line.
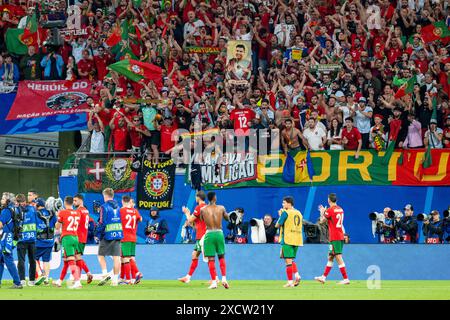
242	119
130	218
200	226
83	226
335	216
70	220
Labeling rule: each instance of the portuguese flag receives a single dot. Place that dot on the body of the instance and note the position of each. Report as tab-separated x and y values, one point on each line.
435	31
119	33
137	70
17	44
30	29
406	88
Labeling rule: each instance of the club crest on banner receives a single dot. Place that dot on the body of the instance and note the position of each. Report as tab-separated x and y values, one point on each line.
66	100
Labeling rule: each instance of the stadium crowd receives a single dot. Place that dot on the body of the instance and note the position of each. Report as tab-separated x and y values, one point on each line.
326	74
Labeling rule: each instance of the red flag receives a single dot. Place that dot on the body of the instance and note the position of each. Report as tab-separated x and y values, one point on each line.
114	38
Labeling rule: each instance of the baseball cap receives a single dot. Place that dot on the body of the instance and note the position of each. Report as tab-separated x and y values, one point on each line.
410	207
433	121
378	116
362	99
154	209
434	212
164	89
339	94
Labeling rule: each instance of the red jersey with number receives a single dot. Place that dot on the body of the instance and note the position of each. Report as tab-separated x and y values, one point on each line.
130	218
70	220
335	216
83	226
200	226
242	119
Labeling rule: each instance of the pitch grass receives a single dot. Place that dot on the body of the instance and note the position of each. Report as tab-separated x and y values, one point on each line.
240	290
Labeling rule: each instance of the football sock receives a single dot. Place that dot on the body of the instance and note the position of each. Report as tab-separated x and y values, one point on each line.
64	271
343	271
122	270
212	269
104	272
327	268
134	268
294	269
194	265
74	270
127	270
289	271
84	266
223	266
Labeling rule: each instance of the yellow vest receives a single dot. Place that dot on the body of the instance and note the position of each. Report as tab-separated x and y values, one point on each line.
292	230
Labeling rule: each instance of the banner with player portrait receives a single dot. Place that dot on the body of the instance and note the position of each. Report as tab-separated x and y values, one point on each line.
94	175
239	62
156	183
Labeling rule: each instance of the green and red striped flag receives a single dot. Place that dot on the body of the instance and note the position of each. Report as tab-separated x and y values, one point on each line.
406	88
435	31
137	70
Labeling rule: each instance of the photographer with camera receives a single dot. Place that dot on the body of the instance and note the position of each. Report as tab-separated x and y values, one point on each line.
407	226
432	227
384	225
9	238
238	228
45	233
156	229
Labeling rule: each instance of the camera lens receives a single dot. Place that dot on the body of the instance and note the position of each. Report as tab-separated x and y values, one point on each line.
372	216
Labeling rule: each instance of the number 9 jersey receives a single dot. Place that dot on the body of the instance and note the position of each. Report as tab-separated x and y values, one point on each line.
335	217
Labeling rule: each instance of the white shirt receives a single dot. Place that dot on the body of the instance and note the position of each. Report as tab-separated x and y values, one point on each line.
77	50
315	137
362	122
279	33
22	23
97	142
432	140
190	27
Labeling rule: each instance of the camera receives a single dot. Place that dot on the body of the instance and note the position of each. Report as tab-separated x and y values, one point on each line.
235	217
423	217
394	214
376	216
53	205
258	234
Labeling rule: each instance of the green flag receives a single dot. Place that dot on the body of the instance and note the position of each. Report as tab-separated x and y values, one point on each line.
13	44
406	88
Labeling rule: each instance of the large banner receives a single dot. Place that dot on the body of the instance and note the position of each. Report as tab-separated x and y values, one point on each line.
156	184
341	168
48	98
57	123
98	174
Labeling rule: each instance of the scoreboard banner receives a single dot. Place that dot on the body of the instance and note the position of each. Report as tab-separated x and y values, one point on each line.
341	168
156	183
49	98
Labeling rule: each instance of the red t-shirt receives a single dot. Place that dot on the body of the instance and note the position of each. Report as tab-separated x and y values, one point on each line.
166	137
85	65
130	218
120	136
335	216
83	225
353	136
70	220
200	226
137	137
100	64
242	120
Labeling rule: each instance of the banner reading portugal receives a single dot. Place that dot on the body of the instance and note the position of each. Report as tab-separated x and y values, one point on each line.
156	184
96	175
405	168
48	98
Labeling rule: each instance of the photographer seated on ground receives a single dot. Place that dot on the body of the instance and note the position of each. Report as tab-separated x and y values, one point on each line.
432	227
156	229
238	228
407	226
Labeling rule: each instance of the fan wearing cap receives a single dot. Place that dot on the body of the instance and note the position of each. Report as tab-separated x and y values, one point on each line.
433	136
378	135
156	228
432	228
407	226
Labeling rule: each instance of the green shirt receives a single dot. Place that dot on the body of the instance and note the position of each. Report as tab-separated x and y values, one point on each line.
149	114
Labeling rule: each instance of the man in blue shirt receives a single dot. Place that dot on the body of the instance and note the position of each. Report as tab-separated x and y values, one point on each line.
26	245
45	231
109	233
7	242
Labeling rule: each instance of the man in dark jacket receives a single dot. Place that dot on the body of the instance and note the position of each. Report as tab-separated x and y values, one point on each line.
432	228
407	226
157	228
270	229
